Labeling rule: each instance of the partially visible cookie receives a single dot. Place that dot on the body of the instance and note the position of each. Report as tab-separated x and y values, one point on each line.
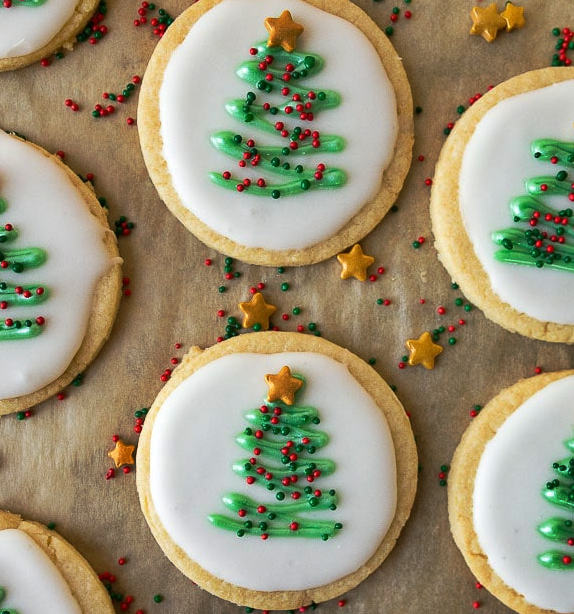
266	137
34	29
502	202
41	572
510	495
276	469
60	275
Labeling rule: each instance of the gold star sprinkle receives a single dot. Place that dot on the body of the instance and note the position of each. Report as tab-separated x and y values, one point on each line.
486	22
514	16
257	311
283	31
282	386
423	351
355	263
122	454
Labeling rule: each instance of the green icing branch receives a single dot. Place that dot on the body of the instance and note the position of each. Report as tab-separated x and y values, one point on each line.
4	610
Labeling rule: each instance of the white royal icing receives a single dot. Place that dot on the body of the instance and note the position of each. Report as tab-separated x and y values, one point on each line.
508	504
200	78
48	212
24	30
496	163
30	580
193	449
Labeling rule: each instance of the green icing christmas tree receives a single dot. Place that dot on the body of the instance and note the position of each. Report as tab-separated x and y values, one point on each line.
560	493
287	111
282	440
13	295
543	235
4	610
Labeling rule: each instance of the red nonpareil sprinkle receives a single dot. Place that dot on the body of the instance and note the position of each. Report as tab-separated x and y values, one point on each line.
122	561
537	370
111	473
441	310
476	605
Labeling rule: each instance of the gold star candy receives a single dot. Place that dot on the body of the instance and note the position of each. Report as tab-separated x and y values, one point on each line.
486	22
257	311
514	16
355	263
283	31
282	386
423	351
122	454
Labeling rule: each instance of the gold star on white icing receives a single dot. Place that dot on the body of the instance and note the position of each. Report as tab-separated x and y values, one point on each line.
282	386
283	31
514	16
423	351
122	454
257	311
486	22
355	263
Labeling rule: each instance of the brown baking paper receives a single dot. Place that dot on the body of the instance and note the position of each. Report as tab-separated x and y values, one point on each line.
53	465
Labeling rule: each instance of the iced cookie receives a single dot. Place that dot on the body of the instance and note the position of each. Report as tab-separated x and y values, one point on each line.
502	203
276	469
510	491
34	29
60	276
41	572
277	131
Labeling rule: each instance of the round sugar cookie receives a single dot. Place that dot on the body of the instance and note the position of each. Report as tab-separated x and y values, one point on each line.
276	469
42	572
278	132
60	275
510	495
501	204
34	29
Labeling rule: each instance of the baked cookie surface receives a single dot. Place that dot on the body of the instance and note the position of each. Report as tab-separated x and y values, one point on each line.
276	152
501	204
275	508
60	276
509	492
34	29
40	571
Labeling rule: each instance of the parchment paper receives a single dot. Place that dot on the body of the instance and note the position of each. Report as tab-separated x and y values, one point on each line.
53	465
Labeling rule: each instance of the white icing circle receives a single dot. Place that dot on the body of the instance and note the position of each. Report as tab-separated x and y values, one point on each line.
30	580
496	163
193	448
24	30
49	213
507	501
200	78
